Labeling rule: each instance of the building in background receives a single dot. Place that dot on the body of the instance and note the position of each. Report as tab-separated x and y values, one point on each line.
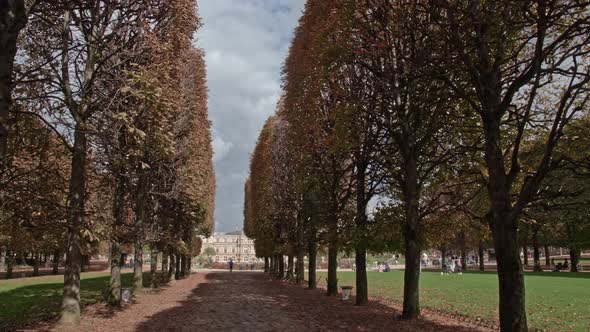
234	245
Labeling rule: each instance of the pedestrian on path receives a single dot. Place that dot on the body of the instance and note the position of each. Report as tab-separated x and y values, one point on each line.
231	265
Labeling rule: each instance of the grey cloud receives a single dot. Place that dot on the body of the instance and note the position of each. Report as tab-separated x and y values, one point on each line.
246	42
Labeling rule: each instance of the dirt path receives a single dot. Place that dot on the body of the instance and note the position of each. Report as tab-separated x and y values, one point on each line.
249	301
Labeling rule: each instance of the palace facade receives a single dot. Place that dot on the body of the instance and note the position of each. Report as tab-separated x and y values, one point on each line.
235	246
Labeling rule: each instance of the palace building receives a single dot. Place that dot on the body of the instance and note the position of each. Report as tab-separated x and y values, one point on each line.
235	246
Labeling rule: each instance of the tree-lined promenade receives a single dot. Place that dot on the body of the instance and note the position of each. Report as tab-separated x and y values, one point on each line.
404	126
241	301
465	122
105	139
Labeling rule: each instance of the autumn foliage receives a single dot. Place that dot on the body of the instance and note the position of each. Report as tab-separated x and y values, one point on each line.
453	118
109	142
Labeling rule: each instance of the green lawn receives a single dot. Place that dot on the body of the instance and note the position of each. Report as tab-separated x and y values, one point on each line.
26	300
555	301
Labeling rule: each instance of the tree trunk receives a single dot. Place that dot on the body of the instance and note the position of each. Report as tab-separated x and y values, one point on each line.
36	261
362	291
182	266
56	255
281	273
480	252
186	266
312	278
525	253
70	309
140	213
574	258
178	267
273	265
300	268
13	18
536	252
165	261
114	295
138	266
547	255
463	249
411	195
443	257
153	268
411	305
83	263
9	262
189	266
289	267
172	267
332	288
510	273
266	264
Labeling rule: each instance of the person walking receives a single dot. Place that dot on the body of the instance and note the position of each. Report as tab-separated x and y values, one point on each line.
231	265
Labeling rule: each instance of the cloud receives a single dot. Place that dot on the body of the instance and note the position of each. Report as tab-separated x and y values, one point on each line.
246	42
220	148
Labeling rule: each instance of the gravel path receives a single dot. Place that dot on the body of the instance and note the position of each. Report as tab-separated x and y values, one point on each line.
250	301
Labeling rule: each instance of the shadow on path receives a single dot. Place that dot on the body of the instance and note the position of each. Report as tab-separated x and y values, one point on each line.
251	301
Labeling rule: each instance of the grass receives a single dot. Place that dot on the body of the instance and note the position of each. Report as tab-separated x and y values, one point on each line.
27	300
555	301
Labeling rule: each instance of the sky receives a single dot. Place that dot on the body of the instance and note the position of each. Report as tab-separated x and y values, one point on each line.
246	42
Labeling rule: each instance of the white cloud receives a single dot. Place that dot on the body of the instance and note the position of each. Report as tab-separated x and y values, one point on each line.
246	42
220	148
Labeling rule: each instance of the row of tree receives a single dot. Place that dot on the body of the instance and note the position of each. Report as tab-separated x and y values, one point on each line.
418	124
105	136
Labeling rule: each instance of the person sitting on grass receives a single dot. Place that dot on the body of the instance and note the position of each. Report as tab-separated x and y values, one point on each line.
445	269
451	264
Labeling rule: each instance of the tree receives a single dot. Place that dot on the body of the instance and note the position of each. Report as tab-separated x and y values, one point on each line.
518	65
561	204
69	87
13	18
394	41
34	199
259	209
310	108
88	72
